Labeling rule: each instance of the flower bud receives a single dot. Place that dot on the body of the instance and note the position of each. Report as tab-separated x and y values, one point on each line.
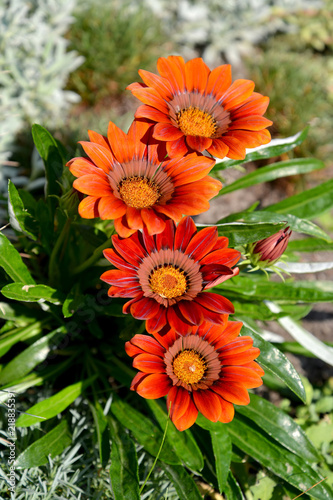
270	249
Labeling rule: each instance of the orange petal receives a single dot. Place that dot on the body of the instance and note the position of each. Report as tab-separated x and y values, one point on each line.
134	219
188	419
241	375
148	96
219	81
226	256
189	169
161	85
202	243
154	223
254	105
198	143
177	148
207	187
177	321
148	344
166	132
149	363
156	323
241	358
111	208
196	75
101	156
88	208
173	69
214	302
122	147
120	278
151	113
122	228
227	411
190	312
251	139
236	148
83	166
250	123
185	231
231	392
218	148
98	139
208	403
154	386
145	308
93	185
237	93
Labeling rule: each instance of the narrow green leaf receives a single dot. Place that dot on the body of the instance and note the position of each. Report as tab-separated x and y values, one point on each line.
182	481
102	431
276	361
275	171
48	149
50	407
10	338
32	293
19	217
143	429
52	444
280	427
275	148
305	338
276	458
305	267
296	224
308	204
20	314
30	357
232	490
240	233
12	263
296	291
183	442
309	245
124	464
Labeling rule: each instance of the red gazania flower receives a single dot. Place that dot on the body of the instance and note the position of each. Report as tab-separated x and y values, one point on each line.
127	180
272	248
207	371
197	109
166	274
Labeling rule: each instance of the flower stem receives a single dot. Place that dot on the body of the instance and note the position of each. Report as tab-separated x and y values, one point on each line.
93	259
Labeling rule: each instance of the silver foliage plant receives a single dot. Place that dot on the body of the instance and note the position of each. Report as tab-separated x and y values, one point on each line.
224	31
34	65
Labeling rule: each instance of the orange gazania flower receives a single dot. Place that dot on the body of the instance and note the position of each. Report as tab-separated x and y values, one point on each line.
165	275
207	371
127	180
197	109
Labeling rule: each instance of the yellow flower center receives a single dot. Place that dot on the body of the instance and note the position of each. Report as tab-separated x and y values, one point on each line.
189	366
139	192
168	282
193	121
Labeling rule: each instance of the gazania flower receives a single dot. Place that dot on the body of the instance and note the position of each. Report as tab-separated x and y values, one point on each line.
127	180
197	109
165	275
207	371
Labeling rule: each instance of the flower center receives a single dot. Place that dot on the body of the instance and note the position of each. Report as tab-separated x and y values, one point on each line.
193	121
168	282
139	192
189	366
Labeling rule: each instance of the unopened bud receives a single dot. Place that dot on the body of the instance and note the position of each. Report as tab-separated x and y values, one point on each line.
270	249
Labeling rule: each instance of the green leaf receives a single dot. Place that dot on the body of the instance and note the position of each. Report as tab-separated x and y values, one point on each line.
124	464
222	448
19	335
308	204
19	217
183	442
276	361
296	224
309	245
52	444
296	291
280	427
143	429
32	293
240	233
102	431
50	407
275	171
12	263
48	149
305	338
275	148
232	490
276	458
182	481
18	313
30	357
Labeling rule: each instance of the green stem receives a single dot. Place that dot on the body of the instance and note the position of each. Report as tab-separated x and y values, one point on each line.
158	454
93	259
53	264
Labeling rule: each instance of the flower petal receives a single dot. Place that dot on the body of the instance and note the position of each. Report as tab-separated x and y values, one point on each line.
215	302
173	69
149	363
202	243
241	375
208	403
227	257
255	123
84	166
218	148
122	228
198	143
227	411
88	207
148	344
122	279
219	81
231	392
145	308
167	132
177	321
196	75
160	84
190	312
237	93
154	386
151	113
148	96
93	185
165	239
154	223
156	323
236	148
101	156
111	208
177	148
